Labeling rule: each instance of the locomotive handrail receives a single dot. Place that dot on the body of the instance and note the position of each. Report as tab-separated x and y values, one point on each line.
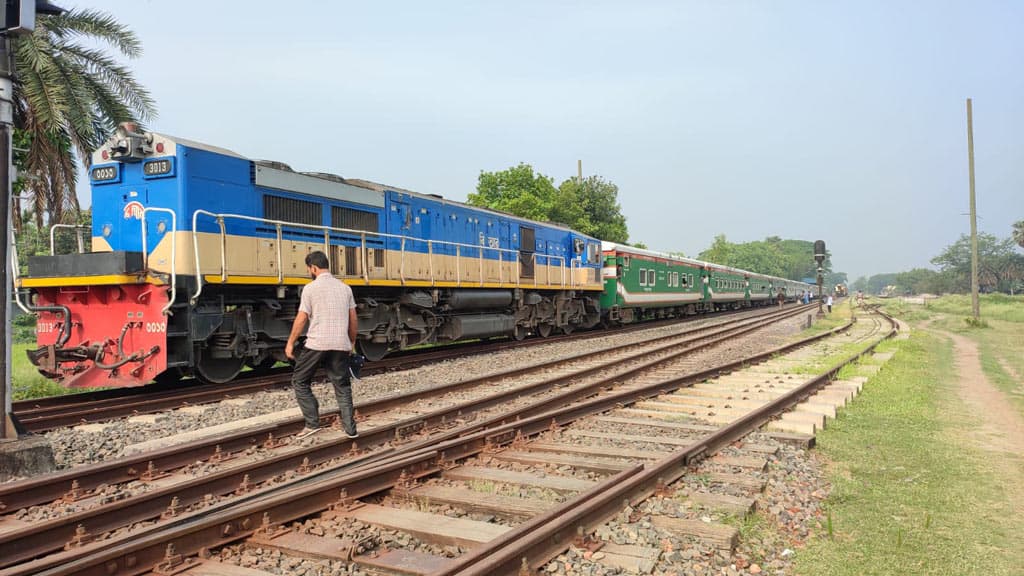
174	252
279	224
16	270
547	268
78	228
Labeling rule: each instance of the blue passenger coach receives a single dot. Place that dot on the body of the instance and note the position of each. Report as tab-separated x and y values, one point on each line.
198	255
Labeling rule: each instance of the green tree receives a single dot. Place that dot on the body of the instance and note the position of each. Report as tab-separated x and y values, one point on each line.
921	281
720	251
602	216
878	282
999	265
792	259
1018	233
591	207
520	191
68	97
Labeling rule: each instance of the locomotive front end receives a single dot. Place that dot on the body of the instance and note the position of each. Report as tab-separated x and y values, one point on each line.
101	326
102	315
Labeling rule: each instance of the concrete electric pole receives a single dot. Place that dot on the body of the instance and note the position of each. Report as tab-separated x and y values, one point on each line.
975	304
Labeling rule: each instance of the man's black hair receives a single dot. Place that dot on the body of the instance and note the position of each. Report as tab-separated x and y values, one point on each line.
318	259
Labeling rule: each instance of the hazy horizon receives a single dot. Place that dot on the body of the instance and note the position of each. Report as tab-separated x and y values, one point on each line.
802	120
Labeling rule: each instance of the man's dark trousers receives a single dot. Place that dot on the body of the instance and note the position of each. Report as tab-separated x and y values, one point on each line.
335	363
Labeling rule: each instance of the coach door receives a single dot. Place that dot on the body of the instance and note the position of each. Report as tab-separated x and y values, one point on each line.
527	245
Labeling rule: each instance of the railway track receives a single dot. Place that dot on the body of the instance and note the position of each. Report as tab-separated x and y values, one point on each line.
455	432
43	414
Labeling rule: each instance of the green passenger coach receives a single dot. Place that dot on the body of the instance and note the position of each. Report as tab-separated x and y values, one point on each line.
643	284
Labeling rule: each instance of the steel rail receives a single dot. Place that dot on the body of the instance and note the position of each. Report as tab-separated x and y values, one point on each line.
42	414
463	445
536	542
43	489
21	545
142	550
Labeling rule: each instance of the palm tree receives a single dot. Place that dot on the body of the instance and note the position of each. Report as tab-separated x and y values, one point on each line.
68	99
1018	233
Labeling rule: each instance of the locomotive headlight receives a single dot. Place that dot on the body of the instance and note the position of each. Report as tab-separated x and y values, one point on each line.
106	230
161	227
156	167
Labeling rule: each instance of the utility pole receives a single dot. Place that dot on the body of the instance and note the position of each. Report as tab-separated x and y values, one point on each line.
579	172
975	304
819	257
7	430
17	18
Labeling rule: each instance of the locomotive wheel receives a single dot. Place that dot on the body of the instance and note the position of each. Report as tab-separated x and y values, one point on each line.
544	330
567	329
520	333
218	370
373	351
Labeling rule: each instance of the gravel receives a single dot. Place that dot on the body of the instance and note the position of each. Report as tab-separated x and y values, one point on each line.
789	509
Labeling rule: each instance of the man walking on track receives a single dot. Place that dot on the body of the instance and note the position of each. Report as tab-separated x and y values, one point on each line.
329	307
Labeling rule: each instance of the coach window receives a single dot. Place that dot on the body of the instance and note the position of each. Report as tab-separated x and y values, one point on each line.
643	277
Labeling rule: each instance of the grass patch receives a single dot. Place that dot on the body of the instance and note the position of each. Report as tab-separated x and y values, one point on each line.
26	381
840	315
908	498
1001	306
1000	337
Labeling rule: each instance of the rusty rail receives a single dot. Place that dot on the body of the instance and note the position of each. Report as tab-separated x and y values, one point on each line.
455	445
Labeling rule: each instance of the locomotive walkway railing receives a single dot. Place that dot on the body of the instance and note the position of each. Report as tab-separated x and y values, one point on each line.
174	257
405	242
16	270
78	235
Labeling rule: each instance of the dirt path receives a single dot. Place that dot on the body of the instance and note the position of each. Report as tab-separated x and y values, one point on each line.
1001	427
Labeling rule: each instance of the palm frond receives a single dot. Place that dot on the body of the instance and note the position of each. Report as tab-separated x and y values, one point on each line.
69	98
119	78
94	24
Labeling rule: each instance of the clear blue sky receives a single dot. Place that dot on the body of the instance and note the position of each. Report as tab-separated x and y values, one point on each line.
843	121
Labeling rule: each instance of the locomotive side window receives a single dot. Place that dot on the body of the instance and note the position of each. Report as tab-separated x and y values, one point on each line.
652	277
643	277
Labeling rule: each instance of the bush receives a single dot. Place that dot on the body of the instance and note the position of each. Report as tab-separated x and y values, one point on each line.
23	329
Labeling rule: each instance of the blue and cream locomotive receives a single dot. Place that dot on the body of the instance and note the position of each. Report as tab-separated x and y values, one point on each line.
198	258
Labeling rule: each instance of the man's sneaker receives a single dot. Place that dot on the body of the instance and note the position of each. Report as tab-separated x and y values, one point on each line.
306	432
352	435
